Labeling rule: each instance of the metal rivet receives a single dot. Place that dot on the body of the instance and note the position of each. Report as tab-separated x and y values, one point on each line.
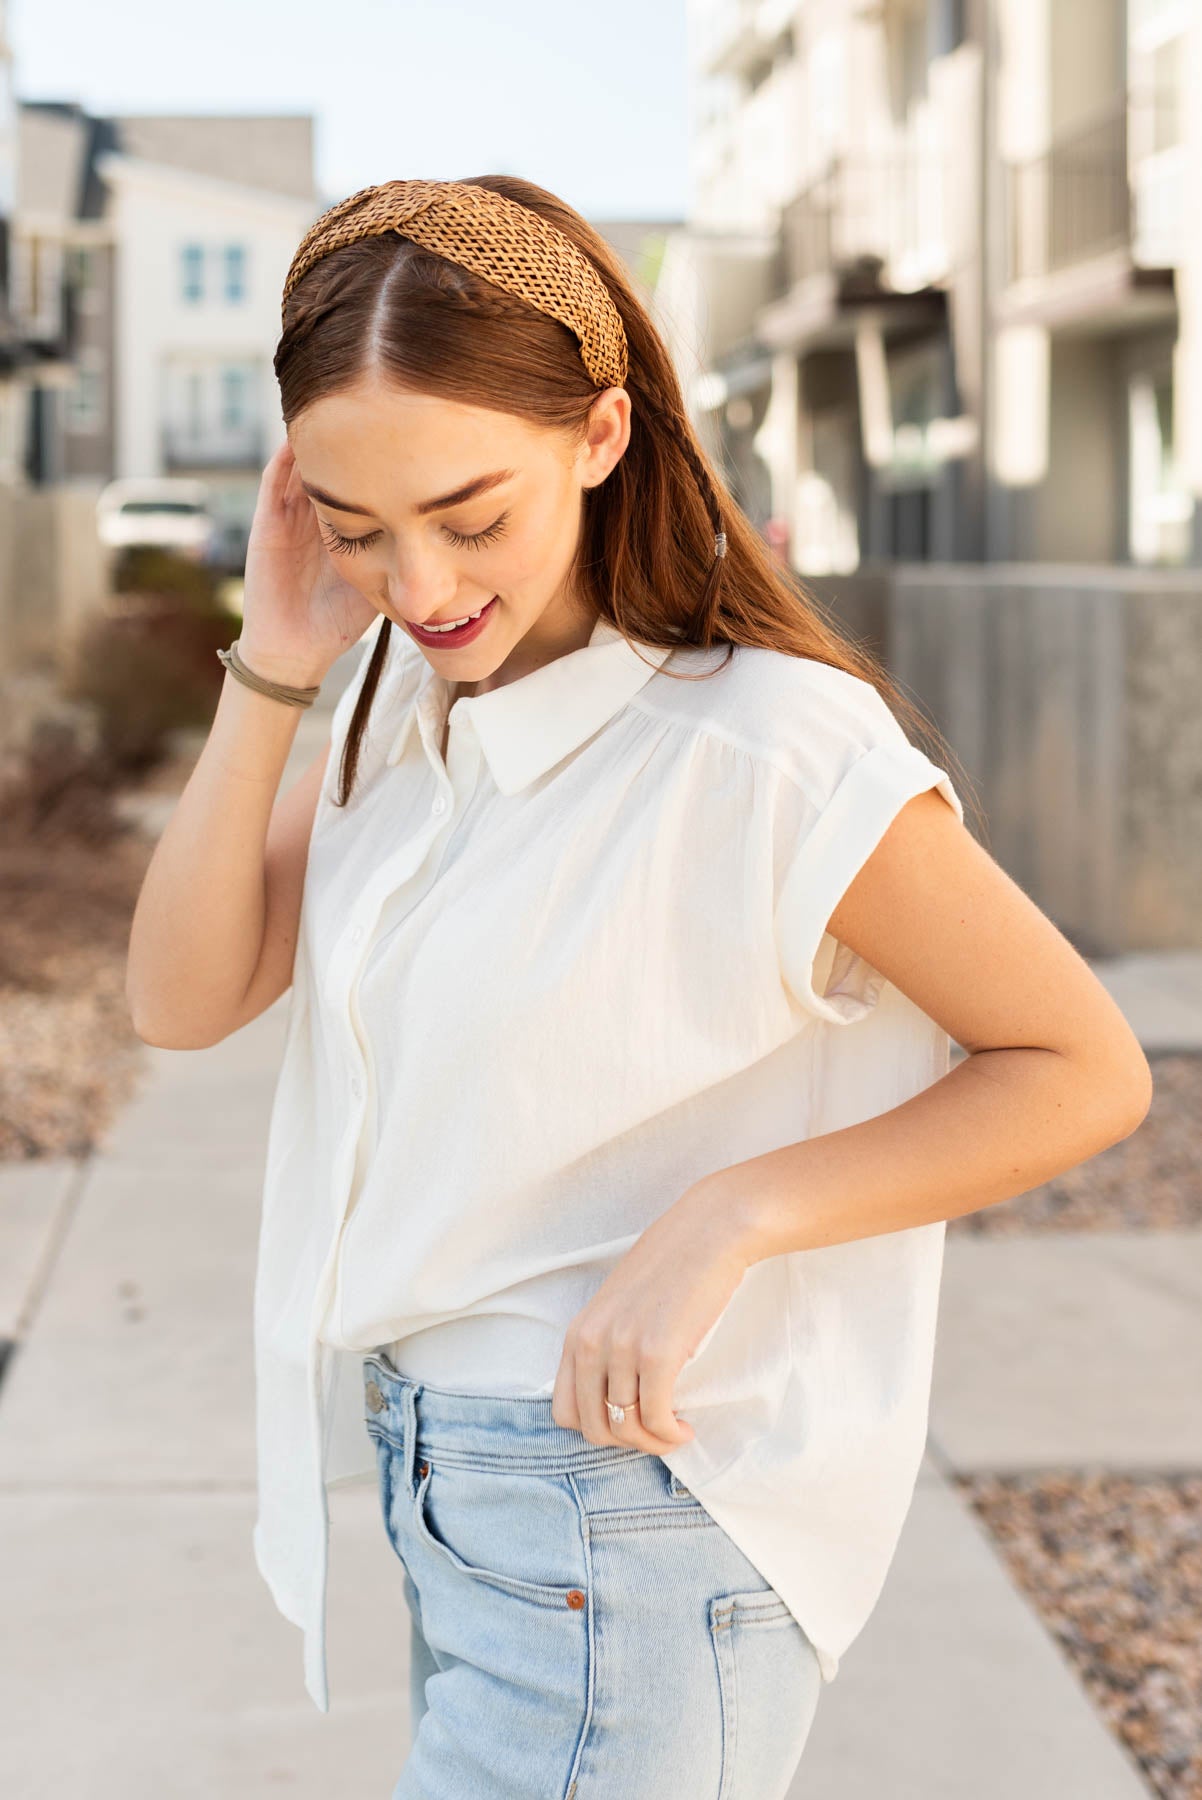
375	1399
575	1599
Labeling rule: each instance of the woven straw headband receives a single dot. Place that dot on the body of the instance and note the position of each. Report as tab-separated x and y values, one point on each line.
496	238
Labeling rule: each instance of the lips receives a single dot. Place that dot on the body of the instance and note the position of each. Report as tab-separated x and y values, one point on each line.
463	634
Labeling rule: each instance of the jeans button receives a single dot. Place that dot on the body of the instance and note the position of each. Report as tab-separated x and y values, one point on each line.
374	1397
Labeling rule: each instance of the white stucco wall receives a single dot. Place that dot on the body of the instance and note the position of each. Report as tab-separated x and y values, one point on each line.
156	209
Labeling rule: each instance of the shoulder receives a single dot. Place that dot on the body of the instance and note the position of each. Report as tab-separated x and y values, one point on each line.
809	719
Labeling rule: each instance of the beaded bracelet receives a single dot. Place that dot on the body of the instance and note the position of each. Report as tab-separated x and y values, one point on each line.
275	690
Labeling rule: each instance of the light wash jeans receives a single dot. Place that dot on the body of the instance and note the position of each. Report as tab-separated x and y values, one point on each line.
581	1628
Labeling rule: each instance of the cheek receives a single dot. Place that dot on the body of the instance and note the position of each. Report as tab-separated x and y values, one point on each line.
540	550
505	565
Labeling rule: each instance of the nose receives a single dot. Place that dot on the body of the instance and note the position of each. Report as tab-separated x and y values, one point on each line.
421	589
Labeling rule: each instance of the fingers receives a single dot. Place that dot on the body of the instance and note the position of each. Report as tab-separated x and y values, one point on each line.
593	1371
294	493
600	1378
656	1381
564	1410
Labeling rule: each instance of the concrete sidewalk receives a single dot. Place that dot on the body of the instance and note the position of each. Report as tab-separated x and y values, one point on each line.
143	1656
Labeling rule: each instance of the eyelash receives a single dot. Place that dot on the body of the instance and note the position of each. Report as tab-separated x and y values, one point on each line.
351	546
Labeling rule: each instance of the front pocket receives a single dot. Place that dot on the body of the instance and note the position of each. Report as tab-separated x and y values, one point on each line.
476	1518
768	1679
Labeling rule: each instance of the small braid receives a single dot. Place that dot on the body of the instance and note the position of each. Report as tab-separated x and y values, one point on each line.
679	428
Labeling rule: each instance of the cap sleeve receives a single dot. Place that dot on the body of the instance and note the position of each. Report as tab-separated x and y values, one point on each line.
855	769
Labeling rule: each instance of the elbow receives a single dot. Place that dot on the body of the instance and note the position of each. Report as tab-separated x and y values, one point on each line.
160	1035
1132	1090
170	1040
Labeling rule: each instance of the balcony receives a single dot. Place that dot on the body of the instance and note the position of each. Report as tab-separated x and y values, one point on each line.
735	36
196	451
44	340
1114	184
871	220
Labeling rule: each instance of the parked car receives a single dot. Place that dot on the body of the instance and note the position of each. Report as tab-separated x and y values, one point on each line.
164	512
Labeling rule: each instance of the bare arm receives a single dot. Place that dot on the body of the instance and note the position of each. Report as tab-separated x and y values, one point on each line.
214	931
1054	1072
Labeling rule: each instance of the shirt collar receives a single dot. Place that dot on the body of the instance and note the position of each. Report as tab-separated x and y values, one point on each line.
528	725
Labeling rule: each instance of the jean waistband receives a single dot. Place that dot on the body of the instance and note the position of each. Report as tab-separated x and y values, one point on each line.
517	1427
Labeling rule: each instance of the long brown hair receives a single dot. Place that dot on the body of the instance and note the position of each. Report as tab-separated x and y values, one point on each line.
645	559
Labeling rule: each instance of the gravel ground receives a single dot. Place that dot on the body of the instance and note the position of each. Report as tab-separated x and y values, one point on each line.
1113	1566
69	1057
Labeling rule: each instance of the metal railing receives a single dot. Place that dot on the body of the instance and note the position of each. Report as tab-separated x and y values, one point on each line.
863	210
1075	200
182	449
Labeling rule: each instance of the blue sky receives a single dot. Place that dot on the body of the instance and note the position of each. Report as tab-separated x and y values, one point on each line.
588	100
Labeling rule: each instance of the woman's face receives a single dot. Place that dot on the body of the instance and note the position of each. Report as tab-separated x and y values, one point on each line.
382	468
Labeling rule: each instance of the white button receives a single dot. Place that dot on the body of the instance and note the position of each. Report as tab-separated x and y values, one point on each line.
440	805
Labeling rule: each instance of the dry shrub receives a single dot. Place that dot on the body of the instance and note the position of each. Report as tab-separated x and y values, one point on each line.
147	664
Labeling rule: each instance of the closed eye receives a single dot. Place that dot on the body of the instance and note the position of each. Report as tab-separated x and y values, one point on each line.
348	546
495	530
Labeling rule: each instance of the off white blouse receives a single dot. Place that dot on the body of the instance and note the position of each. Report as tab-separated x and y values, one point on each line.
542	988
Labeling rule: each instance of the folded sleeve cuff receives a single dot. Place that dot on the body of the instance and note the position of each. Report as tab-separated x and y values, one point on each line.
826	977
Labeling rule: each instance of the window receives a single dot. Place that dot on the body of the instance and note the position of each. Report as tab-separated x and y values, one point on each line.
81	266
918	378
195	405
235	272
1167	63
947	27
907	28
192	259
1161	506
84	400
233	399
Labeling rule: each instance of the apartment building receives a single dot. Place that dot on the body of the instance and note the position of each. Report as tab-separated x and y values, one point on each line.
36	318
938	297
168	239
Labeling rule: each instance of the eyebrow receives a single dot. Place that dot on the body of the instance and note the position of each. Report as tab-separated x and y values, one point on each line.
480	485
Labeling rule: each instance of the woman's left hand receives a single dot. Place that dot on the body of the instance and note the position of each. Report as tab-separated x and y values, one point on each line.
644	1322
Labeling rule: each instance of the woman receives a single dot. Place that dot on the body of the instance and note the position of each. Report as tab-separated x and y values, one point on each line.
589	1229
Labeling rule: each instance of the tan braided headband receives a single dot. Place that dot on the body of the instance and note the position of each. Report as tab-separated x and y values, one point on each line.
496	238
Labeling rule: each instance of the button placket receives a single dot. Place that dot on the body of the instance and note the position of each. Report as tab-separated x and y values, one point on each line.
348	958
463	758
401	871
